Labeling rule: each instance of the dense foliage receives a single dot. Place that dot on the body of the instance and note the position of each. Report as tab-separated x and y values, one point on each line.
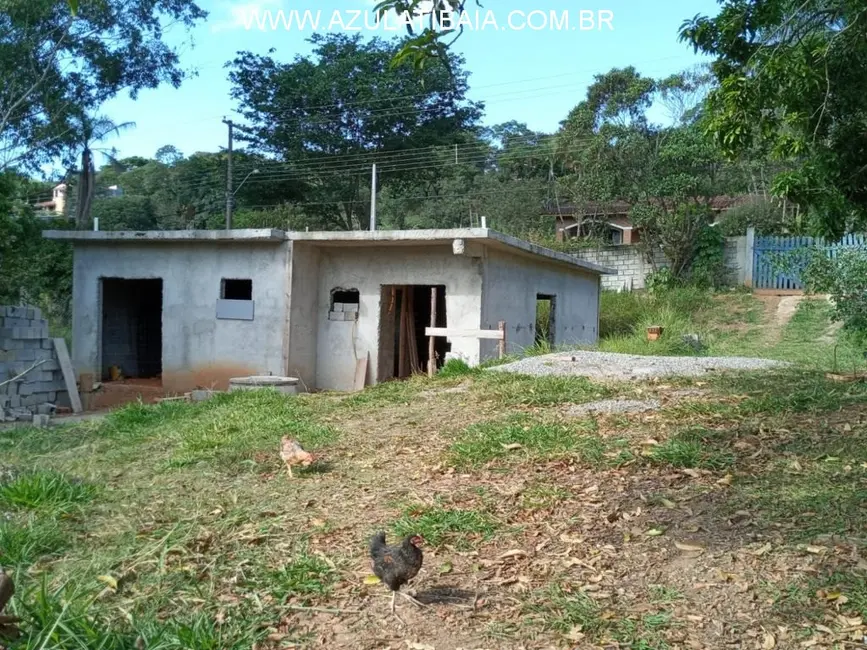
792	80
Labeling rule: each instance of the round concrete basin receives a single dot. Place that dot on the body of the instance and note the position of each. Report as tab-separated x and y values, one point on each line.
286	385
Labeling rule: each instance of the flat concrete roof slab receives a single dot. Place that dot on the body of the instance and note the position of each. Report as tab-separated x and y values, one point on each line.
144	236
484	236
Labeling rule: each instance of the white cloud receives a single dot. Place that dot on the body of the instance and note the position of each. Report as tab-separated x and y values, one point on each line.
238	15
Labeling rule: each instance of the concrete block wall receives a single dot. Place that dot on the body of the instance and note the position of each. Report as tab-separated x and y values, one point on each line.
629	261
24	341
633	268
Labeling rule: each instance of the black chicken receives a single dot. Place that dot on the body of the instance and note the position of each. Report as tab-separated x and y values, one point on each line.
396	565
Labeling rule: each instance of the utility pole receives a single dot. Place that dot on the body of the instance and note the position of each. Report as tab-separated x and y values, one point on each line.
229	193
373	199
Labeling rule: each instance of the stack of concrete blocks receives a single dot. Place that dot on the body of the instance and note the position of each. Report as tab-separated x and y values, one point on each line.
344	311
24	341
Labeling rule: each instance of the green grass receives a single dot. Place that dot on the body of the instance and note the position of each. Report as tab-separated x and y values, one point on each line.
508	389
438	525
481	443
24	541
541	496
729	324
303	575
803	600
45	490
562	609
692	448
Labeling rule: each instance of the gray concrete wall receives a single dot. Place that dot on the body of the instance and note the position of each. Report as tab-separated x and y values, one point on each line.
633	268
367	269
198	349
304	314
511	284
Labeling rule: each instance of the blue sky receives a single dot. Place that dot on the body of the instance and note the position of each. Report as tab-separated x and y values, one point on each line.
532	76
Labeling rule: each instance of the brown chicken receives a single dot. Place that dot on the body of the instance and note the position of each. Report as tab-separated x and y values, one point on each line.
396	565
8	628
293	454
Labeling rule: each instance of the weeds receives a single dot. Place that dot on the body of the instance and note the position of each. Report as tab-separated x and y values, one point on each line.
24	542
690	449
519	437
439	525
304	575
508	389
45	490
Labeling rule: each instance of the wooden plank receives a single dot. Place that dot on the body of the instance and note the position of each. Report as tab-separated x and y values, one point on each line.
68	374
361	372
464	334
401	348
431	350
501	328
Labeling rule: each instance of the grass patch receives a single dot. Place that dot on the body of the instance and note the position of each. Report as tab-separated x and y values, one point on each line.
438	525
804	601
560	609
24	542
45	490
481	443
691	449
542	496
509	389
306	575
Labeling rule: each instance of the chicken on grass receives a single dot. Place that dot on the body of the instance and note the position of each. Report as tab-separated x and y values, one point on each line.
293	454
8	629
396	565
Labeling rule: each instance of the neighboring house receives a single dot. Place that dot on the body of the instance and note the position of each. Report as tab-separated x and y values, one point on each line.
197	308
611	220
54	208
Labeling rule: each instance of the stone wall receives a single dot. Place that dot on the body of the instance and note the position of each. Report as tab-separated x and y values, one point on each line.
24	341
632	266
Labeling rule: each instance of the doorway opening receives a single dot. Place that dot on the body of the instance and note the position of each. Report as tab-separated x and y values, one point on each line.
405	312
132	329
546	312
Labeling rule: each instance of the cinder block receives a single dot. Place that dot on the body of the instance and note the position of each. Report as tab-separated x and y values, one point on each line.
16	312
201	395
335	315
35	399
25	355
52	397
7	333
45	409
50	366
16	322
2	311
40	420
30	344
14	401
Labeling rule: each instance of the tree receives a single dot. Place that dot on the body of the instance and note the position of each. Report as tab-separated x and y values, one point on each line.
329	116
792	77
437	32
92	130
56	65
668	175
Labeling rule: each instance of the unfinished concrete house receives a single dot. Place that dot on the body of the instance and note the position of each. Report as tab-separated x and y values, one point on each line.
196	308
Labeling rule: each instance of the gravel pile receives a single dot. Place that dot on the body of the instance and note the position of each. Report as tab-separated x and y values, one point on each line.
607	365
614	406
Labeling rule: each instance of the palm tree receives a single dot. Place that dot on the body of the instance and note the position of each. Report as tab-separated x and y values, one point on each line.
92	130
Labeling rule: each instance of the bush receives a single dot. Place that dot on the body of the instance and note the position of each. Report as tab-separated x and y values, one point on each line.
708	266
845	279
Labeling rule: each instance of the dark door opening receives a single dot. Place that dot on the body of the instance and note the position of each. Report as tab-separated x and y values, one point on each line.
132	328
404	314
546	310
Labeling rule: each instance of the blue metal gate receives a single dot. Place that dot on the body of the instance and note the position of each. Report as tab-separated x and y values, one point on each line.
767	251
